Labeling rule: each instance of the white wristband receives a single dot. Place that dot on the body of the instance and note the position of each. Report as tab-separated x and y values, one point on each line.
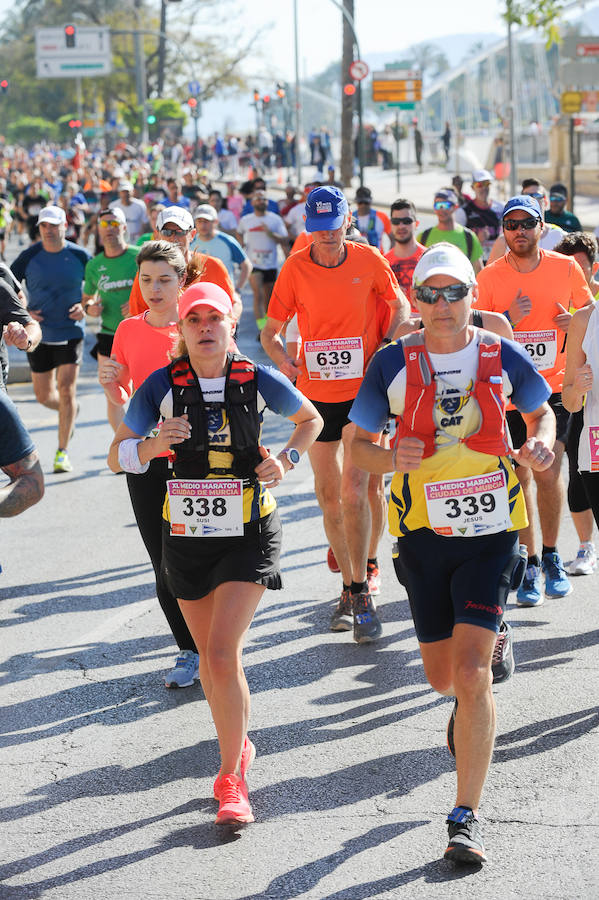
129	457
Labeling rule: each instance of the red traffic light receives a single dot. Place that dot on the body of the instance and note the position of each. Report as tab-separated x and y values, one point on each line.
266	98
74	123
192	102
69	29
256	96
69	35
4	84
349	89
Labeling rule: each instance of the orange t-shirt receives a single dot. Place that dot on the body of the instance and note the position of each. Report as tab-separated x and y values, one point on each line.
142	349
215	271
351	302
557	279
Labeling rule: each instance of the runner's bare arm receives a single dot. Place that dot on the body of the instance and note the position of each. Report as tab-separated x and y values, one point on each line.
26	486
578	376
400	313
272	342
536	452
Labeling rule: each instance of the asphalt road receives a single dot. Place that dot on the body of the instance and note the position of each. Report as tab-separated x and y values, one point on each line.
106	775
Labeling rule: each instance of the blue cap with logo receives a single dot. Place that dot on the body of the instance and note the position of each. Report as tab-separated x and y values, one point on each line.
526	203
326	209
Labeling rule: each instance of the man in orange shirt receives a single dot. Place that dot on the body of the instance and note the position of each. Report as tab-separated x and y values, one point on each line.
534	289
348	303
175	225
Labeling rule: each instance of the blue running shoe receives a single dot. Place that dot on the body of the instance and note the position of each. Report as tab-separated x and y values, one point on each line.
186	670
556	580
530	592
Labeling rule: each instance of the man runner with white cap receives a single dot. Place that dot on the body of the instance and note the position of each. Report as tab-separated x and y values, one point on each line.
53	270
456	504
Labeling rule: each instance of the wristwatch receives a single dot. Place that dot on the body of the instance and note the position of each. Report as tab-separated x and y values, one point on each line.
292	455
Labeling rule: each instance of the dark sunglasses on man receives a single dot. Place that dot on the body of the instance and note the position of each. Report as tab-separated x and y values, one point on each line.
527	224
171	232
452	293
402	220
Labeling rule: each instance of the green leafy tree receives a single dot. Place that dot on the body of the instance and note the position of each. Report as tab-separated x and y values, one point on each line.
542	14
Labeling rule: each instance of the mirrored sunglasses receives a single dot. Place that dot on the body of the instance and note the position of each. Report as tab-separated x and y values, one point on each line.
527	224
452	293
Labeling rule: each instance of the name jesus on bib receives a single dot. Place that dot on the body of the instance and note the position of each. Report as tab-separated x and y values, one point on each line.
335	358
541	346
466	507
206	508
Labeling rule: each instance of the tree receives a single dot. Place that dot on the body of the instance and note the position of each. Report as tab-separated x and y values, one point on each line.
541	14
186	54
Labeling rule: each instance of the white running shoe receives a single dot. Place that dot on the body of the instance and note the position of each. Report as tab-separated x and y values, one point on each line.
586	560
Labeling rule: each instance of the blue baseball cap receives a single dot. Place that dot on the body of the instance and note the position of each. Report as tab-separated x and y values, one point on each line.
326	209
525	202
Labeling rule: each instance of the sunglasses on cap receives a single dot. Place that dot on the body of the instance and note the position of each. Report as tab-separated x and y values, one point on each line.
527	224
171	232
442	204
109	223
402	220
452	293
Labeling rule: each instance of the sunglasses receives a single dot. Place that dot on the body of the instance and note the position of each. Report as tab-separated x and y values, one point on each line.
171	232
109	223
442	204
452	293
405	220
481	184
557	198
514	224
537	196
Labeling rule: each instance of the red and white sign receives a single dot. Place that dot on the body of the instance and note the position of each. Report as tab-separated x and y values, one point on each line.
587	49
358	70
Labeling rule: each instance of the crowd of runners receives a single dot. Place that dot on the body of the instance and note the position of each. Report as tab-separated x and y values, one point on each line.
459	360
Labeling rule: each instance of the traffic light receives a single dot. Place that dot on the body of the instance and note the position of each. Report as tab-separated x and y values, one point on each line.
4	85
349	90
256	95
69	35
192	102
151	119
266	99
280	91
74	123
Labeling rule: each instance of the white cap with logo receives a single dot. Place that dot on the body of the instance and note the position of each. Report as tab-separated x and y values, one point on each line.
443	259
54	215
175	214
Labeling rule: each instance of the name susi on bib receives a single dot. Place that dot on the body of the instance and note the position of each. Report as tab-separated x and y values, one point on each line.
206	508
334	359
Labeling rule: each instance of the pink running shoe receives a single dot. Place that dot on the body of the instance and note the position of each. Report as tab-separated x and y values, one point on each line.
234	806
248	754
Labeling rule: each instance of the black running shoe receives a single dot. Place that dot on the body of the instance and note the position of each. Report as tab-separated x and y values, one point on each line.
343	619
503	655
367	626
465	837
450	727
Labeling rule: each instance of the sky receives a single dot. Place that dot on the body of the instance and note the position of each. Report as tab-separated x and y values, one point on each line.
381	25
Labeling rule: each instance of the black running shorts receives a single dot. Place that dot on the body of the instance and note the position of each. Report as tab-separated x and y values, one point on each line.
517	424
335	417
456	579
195	567
46	357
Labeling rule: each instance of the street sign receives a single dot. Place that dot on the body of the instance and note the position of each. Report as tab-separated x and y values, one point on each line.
396	86
90	53
194	88
580	47
358	70
571	101
580	74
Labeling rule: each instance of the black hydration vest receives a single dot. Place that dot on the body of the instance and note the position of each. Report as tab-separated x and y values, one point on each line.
191	456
